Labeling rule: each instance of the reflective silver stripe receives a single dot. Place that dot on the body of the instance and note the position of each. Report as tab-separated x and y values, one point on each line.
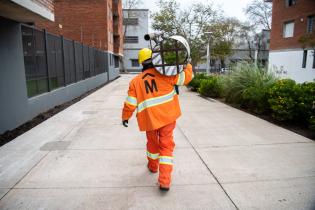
131	100
156	101
153	156
168	160
181	78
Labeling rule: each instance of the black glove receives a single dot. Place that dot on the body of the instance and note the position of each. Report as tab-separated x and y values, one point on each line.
176	89
125	123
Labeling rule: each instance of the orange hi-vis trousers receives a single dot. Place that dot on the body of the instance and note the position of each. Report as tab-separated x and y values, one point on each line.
160	148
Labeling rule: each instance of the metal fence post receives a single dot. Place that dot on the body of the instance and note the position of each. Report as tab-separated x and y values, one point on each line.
63	60
89	61
83	72
95	73
46	57
74	60
108	69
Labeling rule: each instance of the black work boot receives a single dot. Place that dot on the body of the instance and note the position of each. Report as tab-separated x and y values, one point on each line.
164	188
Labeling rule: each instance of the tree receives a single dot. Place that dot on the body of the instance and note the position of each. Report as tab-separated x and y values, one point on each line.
190	23
129	4
246	33
224	34
259	13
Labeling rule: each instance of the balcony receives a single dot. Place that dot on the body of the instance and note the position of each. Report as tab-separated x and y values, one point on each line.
26	11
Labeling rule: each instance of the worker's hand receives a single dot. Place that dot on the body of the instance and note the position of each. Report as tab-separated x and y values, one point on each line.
186	65
125	123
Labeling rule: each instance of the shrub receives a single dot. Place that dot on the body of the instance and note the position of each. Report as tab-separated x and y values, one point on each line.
248	86
290	101
211	87
283	100
306	99
195	82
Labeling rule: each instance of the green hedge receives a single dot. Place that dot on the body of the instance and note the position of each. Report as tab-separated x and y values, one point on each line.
260	91
196	81
211	87
293	102
283	100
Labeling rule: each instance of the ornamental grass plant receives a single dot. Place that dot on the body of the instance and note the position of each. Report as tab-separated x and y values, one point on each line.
248	85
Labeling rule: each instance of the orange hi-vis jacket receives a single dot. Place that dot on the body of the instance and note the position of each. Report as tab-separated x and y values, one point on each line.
155	98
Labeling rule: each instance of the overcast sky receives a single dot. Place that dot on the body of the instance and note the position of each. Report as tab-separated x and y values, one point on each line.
231	8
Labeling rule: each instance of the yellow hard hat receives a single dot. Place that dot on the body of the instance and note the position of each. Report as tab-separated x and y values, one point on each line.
144	54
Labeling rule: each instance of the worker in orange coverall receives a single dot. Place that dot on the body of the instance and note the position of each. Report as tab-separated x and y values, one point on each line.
155	98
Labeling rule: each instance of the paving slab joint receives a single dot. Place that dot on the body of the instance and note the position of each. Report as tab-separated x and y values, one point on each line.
216	179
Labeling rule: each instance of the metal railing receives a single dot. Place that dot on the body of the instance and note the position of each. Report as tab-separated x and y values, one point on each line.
53	61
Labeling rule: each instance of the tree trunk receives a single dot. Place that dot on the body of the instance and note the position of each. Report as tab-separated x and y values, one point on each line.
193	67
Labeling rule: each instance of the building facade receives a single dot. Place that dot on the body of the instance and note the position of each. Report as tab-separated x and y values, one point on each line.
41	69
96	23
136	25
27	11
292	39
257	50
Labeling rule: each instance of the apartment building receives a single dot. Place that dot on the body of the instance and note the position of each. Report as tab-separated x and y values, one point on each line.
292	39
96	23
52	51
27	11
136	25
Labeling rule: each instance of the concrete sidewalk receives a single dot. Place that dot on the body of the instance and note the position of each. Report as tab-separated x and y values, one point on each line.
82	158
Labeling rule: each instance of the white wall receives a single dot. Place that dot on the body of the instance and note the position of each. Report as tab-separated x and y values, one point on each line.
131	54
131	50
288	64
137	30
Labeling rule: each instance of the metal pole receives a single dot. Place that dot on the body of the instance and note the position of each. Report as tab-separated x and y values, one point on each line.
46	56
83	70
256	52
74	61
209	57
63	60
208	54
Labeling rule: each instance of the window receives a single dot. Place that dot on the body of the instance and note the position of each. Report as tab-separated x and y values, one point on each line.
130	21
310	24
289	3
34	61
313	59
131	39
304	58
288	29
134	63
